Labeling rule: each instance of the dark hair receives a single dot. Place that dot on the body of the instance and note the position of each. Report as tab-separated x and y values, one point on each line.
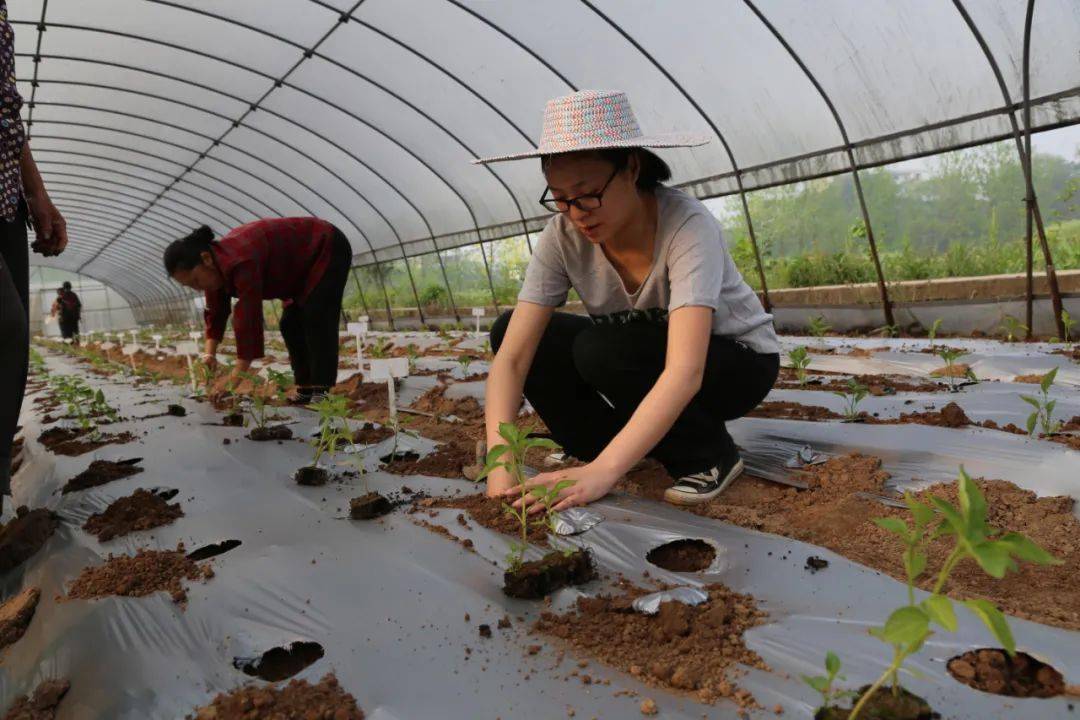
186	253
66	285
654	171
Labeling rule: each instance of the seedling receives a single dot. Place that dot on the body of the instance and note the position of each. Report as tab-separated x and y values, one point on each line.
548	497
824	683
950	356
255	404
464	361
933	331
488	352
412	352
380	349
1043	416
1069	323
890	331
908	627
800	359
37	364
510	455
818	326
333	426
854	395
1011	328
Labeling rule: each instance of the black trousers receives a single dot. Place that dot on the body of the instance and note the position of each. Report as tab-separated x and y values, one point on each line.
579	364
310	330
69	328
14	334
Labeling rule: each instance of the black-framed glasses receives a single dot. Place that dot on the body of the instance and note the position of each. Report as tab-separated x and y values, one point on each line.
588	201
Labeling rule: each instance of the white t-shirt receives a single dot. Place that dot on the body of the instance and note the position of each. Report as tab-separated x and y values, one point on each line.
691	266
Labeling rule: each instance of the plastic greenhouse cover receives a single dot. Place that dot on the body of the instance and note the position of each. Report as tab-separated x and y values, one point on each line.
385	600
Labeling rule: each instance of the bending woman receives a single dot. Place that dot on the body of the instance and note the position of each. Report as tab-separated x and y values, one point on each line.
302	261
676	343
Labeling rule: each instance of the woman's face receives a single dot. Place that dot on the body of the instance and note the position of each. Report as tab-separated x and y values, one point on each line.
572	175
204	277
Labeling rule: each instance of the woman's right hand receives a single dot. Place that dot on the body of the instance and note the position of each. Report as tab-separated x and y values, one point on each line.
210	361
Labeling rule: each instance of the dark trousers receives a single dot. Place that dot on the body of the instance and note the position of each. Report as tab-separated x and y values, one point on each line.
310	330
69	328
14	334
578	364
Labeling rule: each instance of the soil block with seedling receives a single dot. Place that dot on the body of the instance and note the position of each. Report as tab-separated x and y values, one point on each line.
334	431
559	568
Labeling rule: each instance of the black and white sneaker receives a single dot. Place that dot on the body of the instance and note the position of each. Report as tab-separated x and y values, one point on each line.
704	486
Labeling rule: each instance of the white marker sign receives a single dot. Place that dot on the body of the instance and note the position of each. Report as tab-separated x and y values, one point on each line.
157	342
478	313
189	349
359	330
387	370
130	350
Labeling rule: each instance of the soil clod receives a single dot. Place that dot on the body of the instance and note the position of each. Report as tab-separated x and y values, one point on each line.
371	505
213	550
814	563
683	555
281	663
311	476
233	420
101	472
77	441
16	614
447	461
176	410
270	432
555	570
298	699
42	704
142	510
992	670
145	573
883	705
24	535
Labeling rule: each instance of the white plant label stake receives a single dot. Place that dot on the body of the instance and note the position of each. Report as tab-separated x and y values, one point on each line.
157	343
359	331
130	351
389	369
188	349
478	313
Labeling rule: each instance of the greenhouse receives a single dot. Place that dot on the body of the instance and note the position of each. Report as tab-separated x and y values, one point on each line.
460	359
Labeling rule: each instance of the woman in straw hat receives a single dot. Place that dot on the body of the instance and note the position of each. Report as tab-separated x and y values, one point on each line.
676	343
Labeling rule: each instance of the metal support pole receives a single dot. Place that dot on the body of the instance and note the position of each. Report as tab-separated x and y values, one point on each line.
386	296
491	283
446	281
360	291
412	284
1025	158
753	241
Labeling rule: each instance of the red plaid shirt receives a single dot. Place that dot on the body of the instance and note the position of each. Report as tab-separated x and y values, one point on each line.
276	258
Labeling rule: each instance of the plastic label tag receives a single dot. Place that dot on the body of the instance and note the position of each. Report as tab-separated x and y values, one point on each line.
478	312
388	368
130	349
187	348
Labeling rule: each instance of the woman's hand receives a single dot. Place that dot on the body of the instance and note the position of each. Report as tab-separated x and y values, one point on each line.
48	224
590	482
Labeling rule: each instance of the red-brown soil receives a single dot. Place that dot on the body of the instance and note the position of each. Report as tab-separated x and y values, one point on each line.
993	671
101	472
42	704
24	535
299	700
435	401
538	578
368	396
145	573
490	513
446	461
683	555
690	649
16	614
142	510
956	370
878	385
792	411
71	442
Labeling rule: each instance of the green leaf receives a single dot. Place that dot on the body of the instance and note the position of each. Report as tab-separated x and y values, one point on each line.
918	564
907	626
1032	401
542	442
940	610
1023	548
496	453
993	558
923	513
894	525
562	485
832	663
994	621
818	682
972	502
1048	380
1032	420
952	516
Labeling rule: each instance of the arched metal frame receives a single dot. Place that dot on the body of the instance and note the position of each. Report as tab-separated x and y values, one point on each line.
160	216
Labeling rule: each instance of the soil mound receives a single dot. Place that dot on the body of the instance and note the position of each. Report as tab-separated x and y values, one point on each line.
142	510
101	472
16	614
993	671
792	411
489	512
24	535
446	461
298	700
42	704
435	401
145	573
77	441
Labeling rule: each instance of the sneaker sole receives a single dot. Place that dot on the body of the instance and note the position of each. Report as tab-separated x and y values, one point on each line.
675	497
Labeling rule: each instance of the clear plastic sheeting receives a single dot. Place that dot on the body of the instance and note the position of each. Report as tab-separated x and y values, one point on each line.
386	599
367	113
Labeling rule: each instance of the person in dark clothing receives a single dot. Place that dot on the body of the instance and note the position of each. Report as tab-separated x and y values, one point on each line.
302	261
68	308
23	199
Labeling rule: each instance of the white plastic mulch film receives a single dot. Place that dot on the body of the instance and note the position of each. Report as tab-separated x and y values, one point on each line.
150	118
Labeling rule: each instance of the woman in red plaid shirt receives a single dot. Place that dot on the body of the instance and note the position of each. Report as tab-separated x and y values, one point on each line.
301	261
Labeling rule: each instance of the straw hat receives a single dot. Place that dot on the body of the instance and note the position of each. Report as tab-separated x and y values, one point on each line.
592	120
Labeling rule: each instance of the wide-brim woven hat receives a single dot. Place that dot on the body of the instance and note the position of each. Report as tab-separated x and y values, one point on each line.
595	120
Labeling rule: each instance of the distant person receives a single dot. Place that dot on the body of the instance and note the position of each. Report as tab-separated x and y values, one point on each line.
676	343
68	309
302	261
22	198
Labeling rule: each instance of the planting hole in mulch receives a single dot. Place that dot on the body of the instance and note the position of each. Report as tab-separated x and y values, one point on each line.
176	411
297	699
272	432
993	671
16	614
369	434
681	647
538	578
233	420
281	663
213	550
42	704
683	555
24	535
145	573
142	510
367	507
884	705
401	456
311	476
77	441
446	461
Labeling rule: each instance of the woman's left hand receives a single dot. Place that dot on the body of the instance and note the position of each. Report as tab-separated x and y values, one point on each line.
589	483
